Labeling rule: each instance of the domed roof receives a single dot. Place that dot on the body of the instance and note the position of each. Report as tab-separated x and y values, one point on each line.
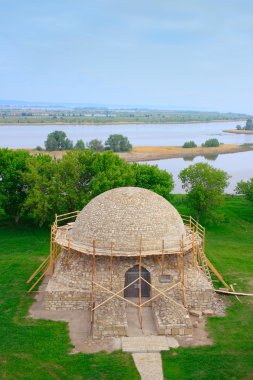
129	219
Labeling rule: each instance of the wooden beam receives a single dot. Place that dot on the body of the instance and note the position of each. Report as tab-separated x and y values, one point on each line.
68	255
217	274
111	257
164	295
162	256
92	284
193	249
182	271
233	293
43	274
117	294
238	299
140	298
38	269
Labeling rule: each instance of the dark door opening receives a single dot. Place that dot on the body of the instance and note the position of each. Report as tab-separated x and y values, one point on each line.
133	290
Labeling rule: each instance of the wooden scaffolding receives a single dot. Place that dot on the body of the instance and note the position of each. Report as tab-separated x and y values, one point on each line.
196	239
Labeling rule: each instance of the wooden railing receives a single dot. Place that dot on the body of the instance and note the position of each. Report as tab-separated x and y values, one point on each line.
47	266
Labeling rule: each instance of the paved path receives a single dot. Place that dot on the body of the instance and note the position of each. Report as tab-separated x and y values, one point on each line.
149	365
146	353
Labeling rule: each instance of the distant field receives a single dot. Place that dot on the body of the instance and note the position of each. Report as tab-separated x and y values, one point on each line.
111	116
39	349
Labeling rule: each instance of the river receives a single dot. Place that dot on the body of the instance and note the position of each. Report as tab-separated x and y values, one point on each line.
238	165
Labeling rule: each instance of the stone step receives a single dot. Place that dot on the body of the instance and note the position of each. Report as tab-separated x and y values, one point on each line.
145	344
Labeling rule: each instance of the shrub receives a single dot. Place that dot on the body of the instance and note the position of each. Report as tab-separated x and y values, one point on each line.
211	143
189	144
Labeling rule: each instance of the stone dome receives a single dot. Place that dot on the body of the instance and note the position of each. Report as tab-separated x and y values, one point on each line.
129	219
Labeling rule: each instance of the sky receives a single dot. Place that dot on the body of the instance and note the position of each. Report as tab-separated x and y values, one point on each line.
176	54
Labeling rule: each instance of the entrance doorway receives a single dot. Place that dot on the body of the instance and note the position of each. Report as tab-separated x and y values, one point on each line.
133	290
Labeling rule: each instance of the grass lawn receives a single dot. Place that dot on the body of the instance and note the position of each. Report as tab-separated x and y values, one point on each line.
38	350
32	349
230	248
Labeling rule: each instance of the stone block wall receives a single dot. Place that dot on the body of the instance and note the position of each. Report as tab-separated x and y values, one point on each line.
71	284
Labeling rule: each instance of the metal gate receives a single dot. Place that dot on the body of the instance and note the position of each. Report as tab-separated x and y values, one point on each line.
133	290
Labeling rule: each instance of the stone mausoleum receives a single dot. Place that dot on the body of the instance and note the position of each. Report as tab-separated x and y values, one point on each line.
129	246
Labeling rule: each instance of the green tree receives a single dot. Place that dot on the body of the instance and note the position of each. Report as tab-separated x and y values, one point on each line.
96	145
118	143
43	192
13	187
245	188
249	125
189	144
79	144
204	186
211	143
152	178
58	140
110	171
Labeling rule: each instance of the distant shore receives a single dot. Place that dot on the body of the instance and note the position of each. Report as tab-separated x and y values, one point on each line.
121	122
239	131
153	153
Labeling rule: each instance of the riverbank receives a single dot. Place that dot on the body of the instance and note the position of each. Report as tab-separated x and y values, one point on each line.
118	122
239	131
152	153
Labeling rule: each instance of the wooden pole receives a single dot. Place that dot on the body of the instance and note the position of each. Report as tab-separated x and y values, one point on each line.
68	256
111	257
51	266
193	248
92	283
162	256
182	272
233	293
140	261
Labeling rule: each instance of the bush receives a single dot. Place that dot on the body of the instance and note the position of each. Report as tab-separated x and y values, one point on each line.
189	144
38	148
211	143
238	127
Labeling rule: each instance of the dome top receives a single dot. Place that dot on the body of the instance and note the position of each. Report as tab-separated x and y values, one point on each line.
129	219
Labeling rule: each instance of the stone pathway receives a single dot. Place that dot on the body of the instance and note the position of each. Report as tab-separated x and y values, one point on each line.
149	365
146	353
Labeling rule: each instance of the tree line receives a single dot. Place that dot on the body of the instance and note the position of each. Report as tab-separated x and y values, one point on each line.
34	188
58	140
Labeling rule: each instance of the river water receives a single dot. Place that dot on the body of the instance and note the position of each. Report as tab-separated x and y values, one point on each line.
238	165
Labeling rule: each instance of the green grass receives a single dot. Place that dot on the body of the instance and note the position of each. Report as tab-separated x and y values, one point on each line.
38	349
229	246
